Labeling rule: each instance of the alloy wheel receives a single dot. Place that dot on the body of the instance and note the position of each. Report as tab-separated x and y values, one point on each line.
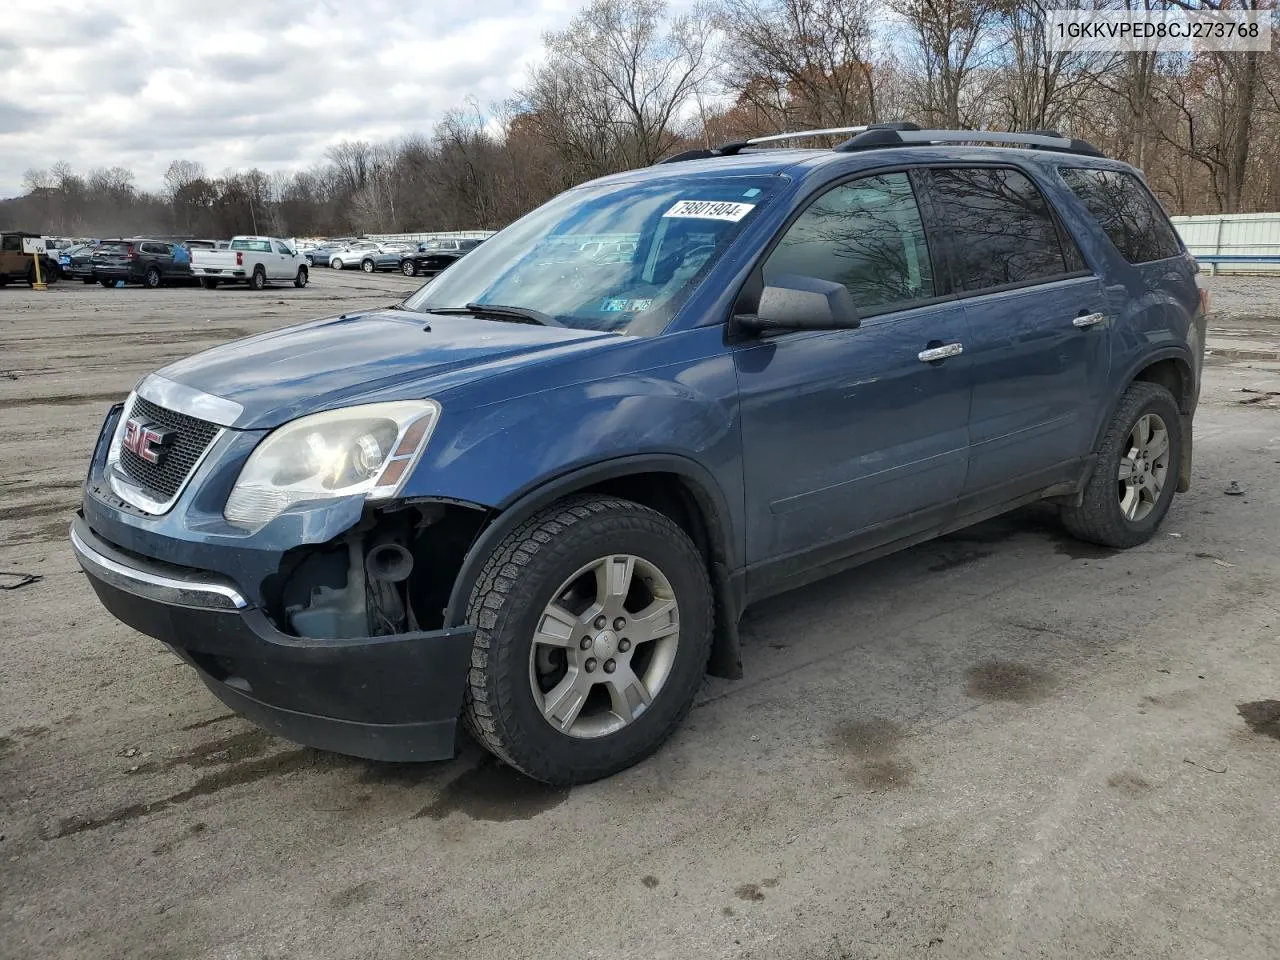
604	646
1144	467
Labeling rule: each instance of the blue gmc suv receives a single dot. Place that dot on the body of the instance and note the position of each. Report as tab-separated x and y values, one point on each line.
539	493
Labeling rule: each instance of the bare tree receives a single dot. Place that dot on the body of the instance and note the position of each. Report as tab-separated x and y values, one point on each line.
799	64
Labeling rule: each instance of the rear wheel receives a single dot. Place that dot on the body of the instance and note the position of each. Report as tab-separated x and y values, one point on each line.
336	263
593	626
1135	472
367	266
409	268
258	280
209	283
301	279
151	279
107	283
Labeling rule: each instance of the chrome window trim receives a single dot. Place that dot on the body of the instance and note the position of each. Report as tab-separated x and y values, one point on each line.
156	586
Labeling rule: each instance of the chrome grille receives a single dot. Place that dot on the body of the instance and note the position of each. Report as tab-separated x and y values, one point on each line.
192	437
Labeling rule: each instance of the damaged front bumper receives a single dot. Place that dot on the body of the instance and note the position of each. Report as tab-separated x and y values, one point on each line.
392	697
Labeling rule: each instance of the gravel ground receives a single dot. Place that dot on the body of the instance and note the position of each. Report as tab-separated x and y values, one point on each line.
1000	744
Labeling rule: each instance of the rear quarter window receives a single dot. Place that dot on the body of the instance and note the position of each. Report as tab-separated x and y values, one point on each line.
1002	229
1129	215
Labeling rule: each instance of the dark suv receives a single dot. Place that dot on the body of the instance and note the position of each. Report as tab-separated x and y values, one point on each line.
540	492
148	262
433	256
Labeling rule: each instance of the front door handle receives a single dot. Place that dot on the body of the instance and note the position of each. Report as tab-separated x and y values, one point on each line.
934	354
1088	320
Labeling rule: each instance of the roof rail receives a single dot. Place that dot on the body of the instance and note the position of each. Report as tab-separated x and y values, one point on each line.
883	136
735	146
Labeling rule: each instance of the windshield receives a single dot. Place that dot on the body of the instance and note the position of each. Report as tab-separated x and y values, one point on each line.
619	257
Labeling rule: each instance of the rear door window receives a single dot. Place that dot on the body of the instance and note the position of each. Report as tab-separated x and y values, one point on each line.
1002	230
1129	215
865	234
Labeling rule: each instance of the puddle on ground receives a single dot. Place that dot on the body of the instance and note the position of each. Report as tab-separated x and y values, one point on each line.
1004	680
494	792
958	558
865	739
1262	716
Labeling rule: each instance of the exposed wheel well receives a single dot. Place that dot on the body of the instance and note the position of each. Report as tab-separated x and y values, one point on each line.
1173	376
694	512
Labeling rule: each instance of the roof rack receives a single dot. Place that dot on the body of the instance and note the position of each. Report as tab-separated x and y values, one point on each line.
735	146
1035	139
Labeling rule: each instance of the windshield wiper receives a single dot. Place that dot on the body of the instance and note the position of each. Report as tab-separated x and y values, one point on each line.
502	312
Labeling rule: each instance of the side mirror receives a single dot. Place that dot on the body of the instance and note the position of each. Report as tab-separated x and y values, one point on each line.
795	302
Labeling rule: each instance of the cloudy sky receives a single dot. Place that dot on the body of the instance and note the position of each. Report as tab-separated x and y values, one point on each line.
141	83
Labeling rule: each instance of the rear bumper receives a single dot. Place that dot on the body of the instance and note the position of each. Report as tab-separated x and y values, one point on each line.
219	273
386	698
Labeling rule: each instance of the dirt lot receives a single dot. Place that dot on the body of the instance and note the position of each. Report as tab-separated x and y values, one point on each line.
1001	744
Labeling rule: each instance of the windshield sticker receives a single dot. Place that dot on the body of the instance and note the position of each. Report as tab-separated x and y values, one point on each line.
710	210
623	305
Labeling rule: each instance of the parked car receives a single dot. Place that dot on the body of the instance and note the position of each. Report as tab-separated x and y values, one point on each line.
318	256
16	265
353	254
541	497
76	262
432	256
252	260
148	262
386	257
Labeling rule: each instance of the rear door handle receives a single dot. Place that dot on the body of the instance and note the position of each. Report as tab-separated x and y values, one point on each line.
933	354
1088	320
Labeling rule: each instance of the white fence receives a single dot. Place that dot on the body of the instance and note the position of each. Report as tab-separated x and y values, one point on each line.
1238	239
419	237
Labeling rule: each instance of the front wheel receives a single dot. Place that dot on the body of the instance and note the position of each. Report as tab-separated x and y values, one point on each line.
409	268
1135	472
151	279
367	266
593	627
107	283
300	280
336	263
259	279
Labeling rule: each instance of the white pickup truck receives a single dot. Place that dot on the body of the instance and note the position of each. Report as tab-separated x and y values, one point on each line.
252	260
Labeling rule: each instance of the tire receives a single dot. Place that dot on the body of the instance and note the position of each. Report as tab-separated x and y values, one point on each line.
209	283
409	268
525	573
301	279
1101	517
151	279
107	283
258	280
336	263
87	280
310	262
367	266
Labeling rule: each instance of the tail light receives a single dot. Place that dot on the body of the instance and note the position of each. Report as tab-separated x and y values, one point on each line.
239	259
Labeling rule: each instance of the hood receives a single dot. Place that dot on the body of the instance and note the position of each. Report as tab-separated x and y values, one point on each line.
383	355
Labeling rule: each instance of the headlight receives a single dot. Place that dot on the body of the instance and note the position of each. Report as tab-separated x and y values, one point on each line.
368	449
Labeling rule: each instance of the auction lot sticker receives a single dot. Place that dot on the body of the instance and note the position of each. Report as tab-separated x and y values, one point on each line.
710	210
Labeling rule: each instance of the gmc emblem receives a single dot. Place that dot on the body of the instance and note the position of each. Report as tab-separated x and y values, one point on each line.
146	440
